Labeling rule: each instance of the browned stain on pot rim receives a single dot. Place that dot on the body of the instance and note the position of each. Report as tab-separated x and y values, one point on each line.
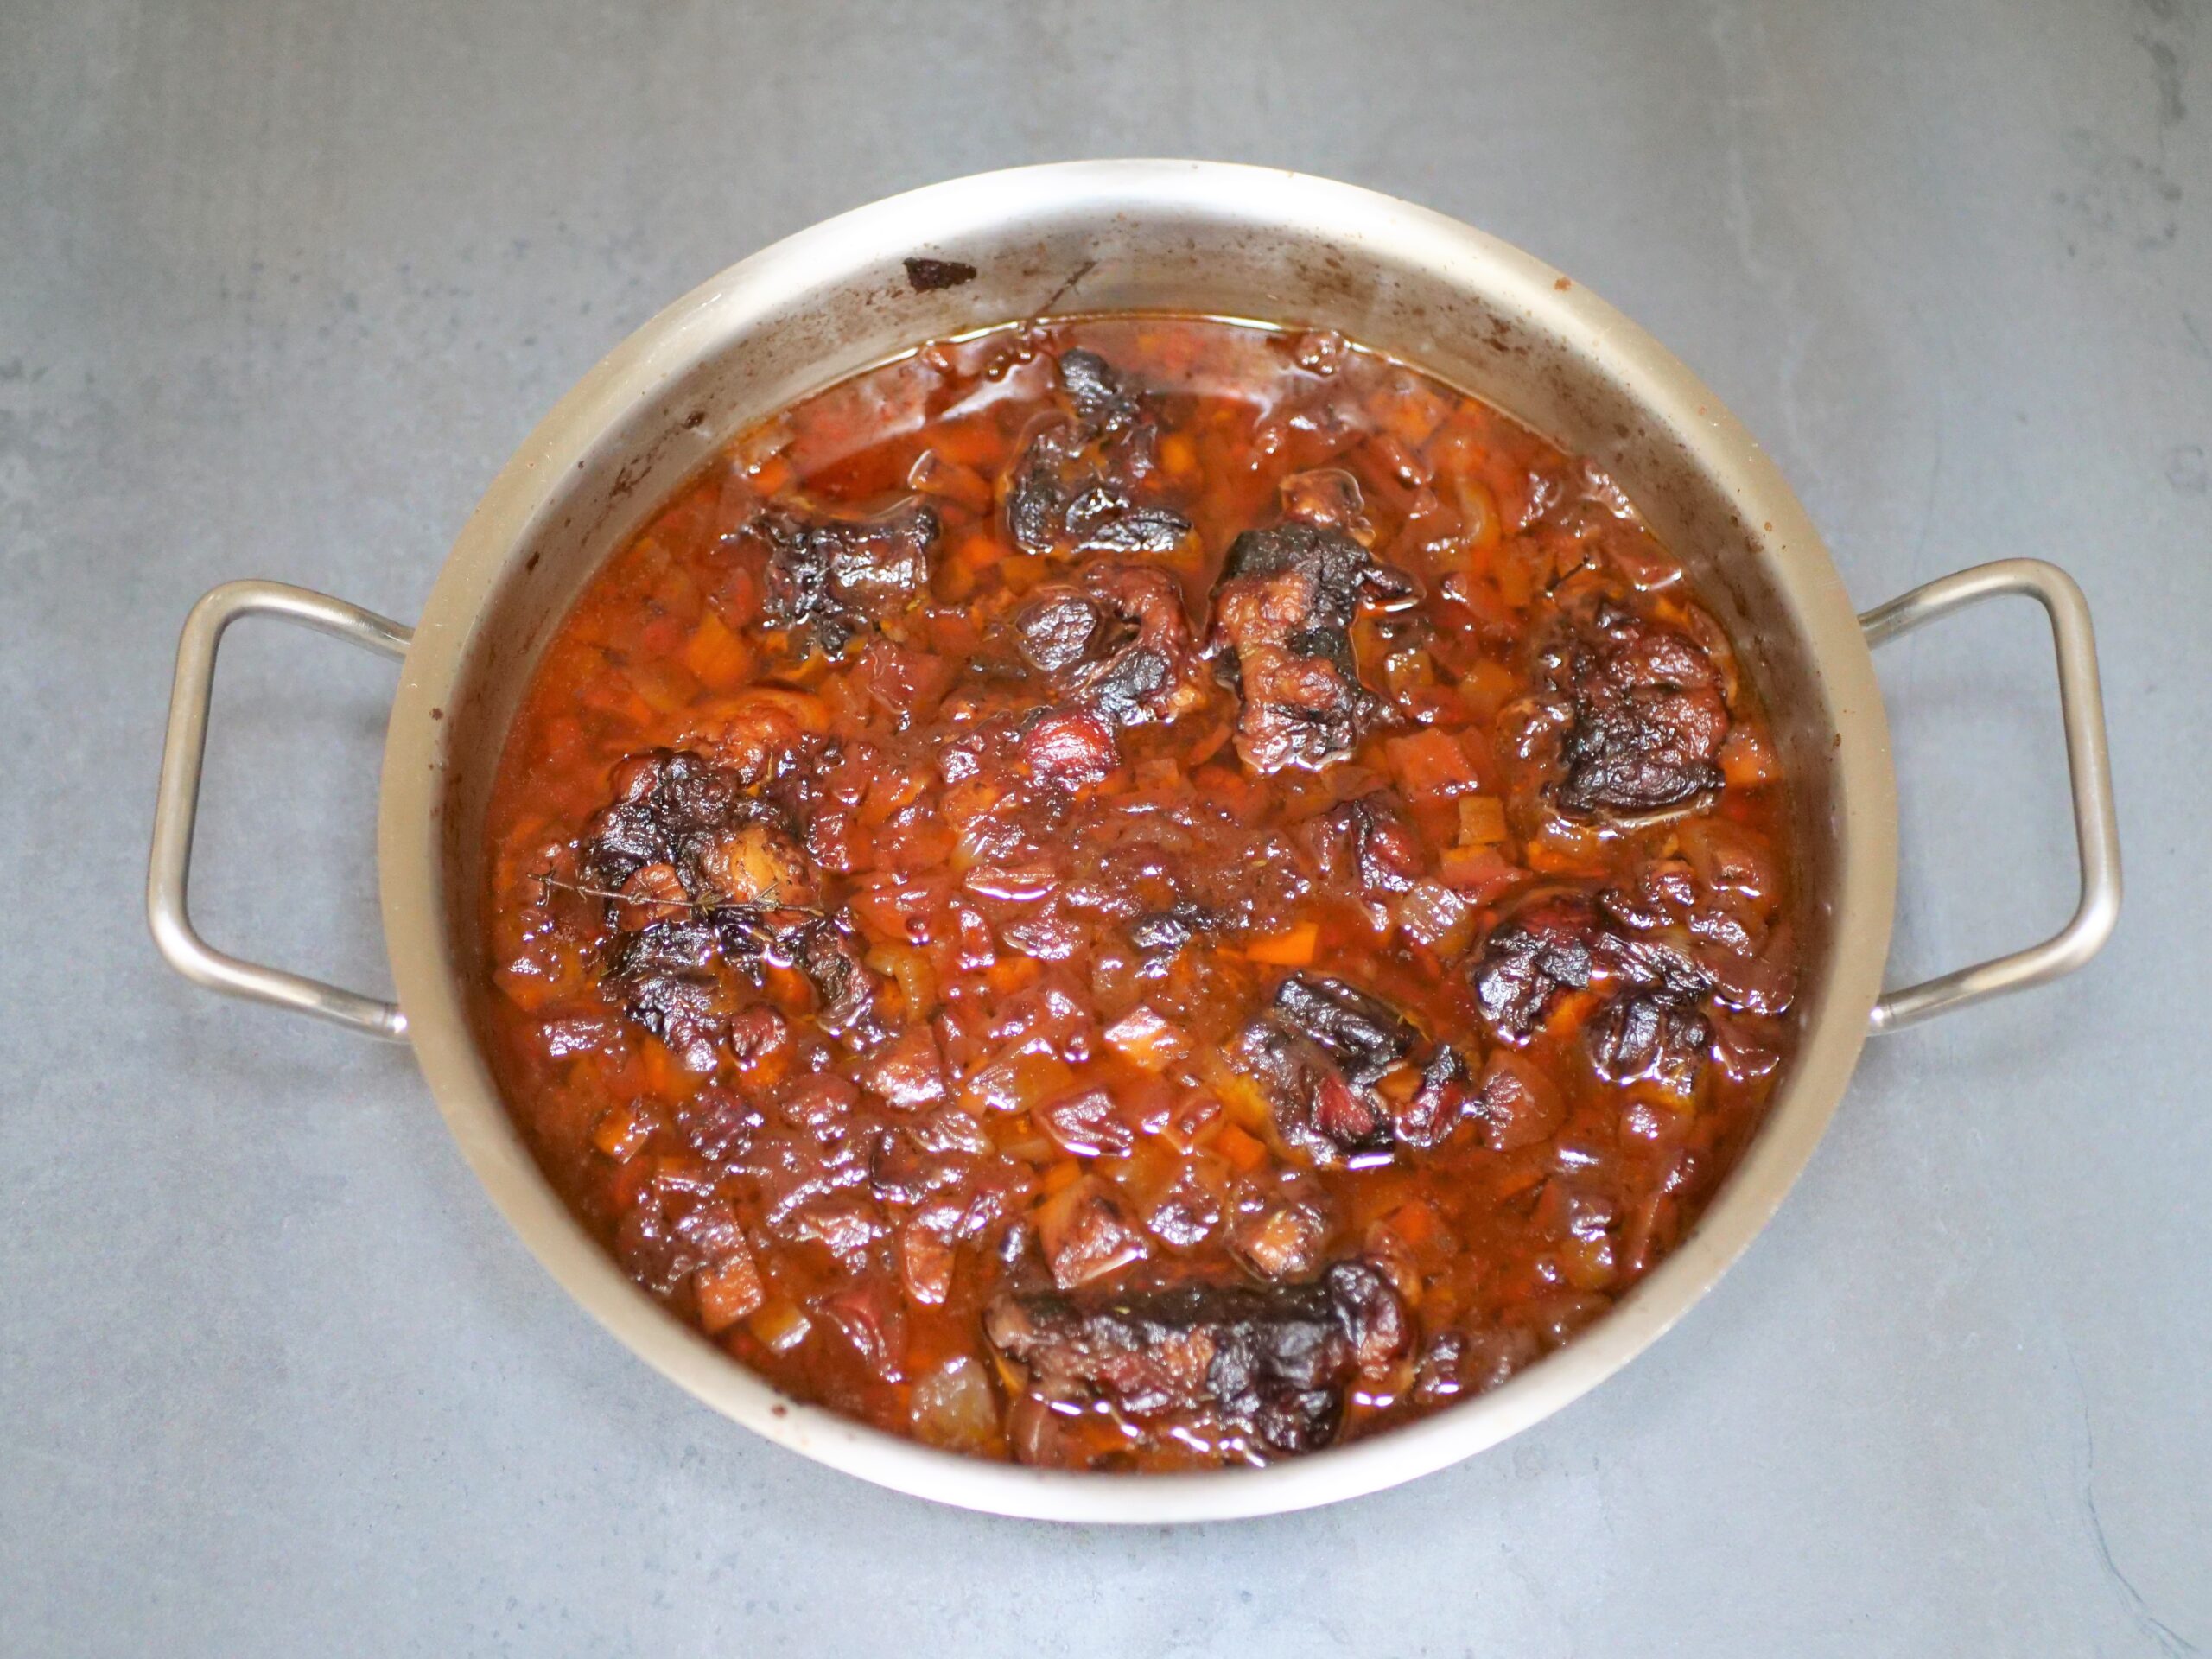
927	276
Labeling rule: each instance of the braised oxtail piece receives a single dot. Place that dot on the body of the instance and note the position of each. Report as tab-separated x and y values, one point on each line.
1117	639
1080	484
839	577
1283	610
1268	1367
1316	1055
1633	718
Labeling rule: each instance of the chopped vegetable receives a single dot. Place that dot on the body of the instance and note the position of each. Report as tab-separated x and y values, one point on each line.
1292	948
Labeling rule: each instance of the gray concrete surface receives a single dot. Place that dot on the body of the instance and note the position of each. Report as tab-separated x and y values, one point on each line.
282	284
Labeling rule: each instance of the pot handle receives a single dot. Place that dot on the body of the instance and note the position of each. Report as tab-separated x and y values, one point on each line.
2080	704
176	805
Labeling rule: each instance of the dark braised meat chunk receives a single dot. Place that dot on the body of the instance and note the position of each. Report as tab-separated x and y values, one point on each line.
1099	395
1284	606
669	807
1075	487
668	978
1170	930
1632	719
1649	1035
1550	945
1269	1367
1650	1026
1365	1035
685	979
698	877
1369	841
1447	1094
845	990
839	576
1317	1055
1117	639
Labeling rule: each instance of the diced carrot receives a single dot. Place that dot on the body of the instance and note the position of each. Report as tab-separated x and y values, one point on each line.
622	1129
665	1075
1482	820
771	475
1244	1152
1430	766
1517	1177
1745	761
1239	1096
1514	572
781	1325
1148	1041
1477	874
717	655
1414	1222
1064	1173
1486	687
728	1291
1292	948
1010	974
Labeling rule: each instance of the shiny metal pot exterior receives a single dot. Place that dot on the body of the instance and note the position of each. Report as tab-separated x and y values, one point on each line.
1192	238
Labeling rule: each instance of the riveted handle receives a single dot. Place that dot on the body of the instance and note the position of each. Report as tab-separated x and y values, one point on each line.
2081	711
176	806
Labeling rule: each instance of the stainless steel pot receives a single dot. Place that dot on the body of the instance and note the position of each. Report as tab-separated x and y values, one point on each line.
1105	236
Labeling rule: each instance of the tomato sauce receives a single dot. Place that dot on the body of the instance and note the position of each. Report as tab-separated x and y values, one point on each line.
1140	892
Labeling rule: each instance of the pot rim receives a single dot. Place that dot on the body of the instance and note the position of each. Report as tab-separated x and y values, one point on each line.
412	852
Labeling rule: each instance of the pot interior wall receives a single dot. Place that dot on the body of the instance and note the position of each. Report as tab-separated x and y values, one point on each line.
1490	321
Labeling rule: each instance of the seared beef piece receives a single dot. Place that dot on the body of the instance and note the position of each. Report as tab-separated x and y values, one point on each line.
1099	395
742	876
1650	1026
677	810
839	576
1316	1056
1057	630
669	807
1074	488
844	988
1117	639
1634	719
667	977
1550	945
1316	1108
1270	1366
680	981
1447	1094
1284	606
1649	1036
1368	840
1172	929
1365	1035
